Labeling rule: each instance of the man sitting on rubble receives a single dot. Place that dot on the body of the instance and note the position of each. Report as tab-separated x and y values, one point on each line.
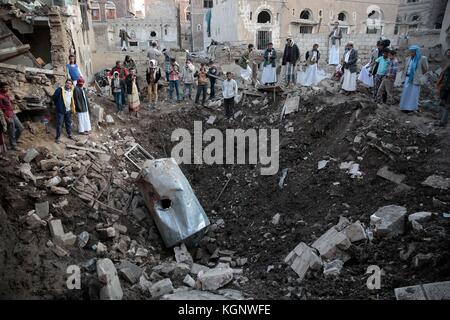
14	125
64	106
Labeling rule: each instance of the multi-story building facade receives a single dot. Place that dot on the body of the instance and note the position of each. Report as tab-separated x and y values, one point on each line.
417	15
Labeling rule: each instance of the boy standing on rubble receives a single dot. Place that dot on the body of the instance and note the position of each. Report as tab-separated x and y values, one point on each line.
212	74
73	71
174	79
118	90
387	84
14	125
202	84
187	76
229	91
65	106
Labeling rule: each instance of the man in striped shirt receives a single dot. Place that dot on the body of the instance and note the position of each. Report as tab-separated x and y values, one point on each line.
387	85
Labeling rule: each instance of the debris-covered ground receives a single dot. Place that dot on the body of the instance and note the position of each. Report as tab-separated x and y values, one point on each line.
340	157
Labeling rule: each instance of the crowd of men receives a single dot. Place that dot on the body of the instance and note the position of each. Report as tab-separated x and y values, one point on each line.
379	74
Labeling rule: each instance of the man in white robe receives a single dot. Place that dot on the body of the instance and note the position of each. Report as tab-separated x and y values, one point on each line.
335	35
350	69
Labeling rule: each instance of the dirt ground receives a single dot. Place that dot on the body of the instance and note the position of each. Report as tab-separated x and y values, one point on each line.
310	202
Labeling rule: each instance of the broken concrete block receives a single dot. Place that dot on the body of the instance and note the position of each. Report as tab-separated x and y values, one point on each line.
107	275
437	182
53	182
30	155
345	165
211	120
391	176
130	271
182	255
134	175
188	280
355	232
333	268
56	228
101	248
97	112
25	172
428	291
331	244
42	209
389	221
83	239
60	252
216	278
196	268
107	233
291	105
371	135
120	228
34	221
302	258
141	252
59	190
419	216
161	288
48	164
67	239
322	164
109	119
276	219
140	214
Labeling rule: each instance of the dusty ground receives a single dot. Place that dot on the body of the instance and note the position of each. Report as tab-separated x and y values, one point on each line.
309	203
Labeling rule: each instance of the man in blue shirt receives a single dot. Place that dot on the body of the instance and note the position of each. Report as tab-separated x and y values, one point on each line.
65	106
383	66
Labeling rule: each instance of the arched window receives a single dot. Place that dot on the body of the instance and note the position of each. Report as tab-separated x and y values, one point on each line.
415	17
342	16
110	10
306	14
153	34
95	11
264	17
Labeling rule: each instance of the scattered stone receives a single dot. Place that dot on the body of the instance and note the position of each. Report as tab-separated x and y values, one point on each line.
48	164
53	182
134	175
211	120
385	173
107	275
56	228
61	204
322	164
371	135
25	172
83	239
355	232
331	245
333	268
68	239
419	216
429	291
30	155
188	280
140	214
141	252
130	271
161	288
302	258
101	248
241	261
216	278
276	219
59	190
196	268
34	221
109	119
389	221
437	182
60	252
182	255
346	165
422	259
104	157
120	228
107	233
357	139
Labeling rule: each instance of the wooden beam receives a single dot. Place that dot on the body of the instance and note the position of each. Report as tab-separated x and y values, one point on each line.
24	69
71	146
9	53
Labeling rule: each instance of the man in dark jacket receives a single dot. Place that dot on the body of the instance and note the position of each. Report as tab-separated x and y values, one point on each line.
118	90
290	58
80	97
64	106
212	74
350	69
153	75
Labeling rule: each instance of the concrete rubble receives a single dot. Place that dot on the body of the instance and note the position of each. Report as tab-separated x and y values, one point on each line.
107	275
389	221
214	279
428	291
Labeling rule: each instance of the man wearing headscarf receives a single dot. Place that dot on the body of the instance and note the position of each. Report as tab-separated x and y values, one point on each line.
444	91
269	74
290	58
350	70
416	66
81	100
